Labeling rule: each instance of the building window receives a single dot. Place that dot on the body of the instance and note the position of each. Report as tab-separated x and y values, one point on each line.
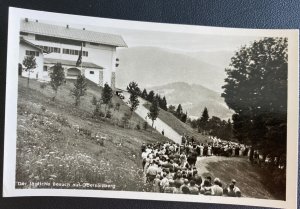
85	53
50	49
94	44
45	68
75	52
32	53
92	72
23	34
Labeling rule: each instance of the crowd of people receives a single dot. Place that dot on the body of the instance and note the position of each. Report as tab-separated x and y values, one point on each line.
229	148
171	168
219	147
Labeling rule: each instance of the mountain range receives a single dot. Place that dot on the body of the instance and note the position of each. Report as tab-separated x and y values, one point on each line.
153	66
193	79
194	98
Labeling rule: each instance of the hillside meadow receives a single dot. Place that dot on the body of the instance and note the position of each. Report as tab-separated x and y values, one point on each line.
56	141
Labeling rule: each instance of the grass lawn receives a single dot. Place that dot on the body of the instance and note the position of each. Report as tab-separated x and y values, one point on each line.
56	141
250	178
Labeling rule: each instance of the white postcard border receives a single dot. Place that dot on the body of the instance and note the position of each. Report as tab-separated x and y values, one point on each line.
9	189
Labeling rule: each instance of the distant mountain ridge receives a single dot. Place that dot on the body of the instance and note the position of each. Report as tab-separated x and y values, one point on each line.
153	66
194	98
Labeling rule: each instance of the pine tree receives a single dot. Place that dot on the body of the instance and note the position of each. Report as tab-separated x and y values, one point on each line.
133	88
57	78
204	118
107	95
203	121
158	99
134	102
164	104
171	109
183	117
153	111
150	96
144	94
79	89
179	111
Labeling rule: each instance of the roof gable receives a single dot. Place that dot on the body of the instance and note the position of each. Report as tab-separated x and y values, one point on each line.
22	40
72	33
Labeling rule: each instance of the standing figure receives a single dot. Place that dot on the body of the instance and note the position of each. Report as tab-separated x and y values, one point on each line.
201	149
209	151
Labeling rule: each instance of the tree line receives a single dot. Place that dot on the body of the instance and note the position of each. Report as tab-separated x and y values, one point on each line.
178	112
213	126
151	96
155	100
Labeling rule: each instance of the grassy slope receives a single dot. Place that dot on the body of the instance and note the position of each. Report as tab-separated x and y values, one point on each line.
49	148
178	125
250	179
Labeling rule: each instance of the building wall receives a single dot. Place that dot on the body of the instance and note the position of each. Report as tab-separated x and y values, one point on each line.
37	73
101	78
93	77
113	80
101	55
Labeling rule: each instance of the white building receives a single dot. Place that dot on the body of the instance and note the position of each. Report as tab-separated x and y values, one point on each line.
26	49
63	45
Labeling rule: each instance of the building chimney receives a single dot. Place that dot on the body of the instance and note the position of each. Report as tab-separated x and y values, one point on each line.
67	26
26	19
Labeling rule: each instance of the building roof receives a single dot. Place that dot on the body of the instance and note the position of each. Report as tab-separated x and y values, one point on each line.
71	63
72	33
22	40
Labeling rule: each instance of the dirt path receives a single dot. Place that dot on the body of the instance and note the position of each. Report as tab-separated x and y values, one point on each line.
202	163
158	124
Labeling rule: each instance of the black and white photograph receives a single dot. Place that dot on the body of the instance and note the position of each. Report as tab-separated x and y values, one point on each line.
112	108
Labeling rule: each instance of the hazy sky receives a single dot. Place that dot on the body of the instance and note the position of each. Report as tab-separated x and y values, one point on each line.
180	41
174	41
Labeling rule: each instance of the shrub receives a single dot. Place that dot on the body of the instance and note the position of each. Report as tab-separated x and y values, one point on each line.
63	120
117	106
138	127
97	112
85	132
43	108
108	114
111	105
43	85
24	109
94	101
125	119
79	90
145	126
